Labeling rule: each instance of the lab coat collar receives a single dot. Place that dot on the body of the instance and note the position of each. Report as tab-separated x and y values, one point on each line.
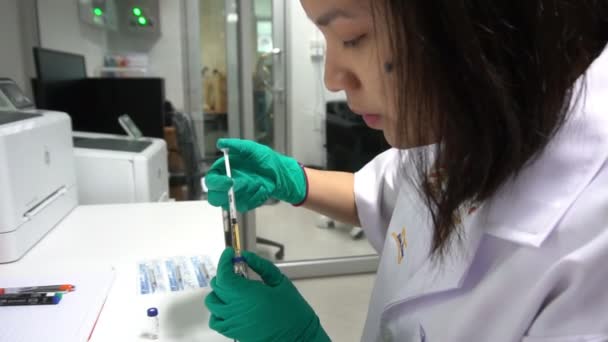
527	208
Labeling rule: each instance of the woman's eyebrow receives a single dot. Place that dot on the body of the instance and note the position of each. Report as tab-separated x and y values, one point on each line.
331	15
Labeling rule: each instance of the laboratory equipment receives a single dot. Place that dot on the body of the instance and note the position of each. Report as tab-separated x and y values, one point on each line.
117	169
125	16
12	98
174	274
129	126
153	326
99	13
37	178
240	267
140	17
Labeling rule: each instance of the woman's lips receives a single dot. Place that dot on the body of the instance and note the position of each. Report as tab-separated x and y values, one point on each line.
373	120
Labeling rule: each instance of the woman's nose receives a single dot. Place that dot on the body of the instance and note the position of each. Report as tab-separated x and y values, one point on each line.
338	76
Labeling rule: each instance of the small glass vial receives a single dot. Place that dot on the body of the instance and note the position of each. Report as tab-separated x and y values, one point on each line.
153	324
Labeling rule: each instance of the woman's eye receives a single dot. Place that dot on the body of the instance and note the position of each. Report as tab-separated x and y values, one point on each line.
354	42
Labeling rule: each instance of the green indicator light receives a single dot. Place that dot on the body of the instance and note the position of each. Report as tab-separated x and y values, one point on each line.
137	11
98	11
142	21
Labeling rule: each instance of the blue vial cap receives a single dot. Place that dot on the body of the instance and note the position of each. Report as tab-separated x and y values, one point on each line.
152	312
238	259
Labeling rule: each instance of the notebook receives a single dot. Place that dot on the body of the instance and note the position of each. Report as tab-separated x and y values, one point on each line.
73	319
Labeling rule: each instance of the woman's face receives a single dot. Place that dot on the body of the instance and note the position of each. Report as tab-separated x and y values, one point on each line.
354	61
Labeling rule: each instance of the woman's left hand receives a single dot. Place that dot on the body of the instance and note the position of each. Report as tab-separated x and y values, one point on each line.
250	310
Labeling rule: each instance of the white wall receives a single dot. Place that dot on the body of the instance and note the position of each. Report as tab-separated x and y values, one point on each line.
11	53
307	93
167	54
61	29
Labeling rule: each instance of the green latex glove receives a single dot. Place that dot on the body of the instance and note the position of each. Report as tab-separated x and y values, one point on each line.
258	172
251	311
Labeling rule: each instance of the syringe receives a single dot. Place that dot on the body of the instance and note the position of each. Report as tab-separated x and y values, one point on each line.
227	229
240	267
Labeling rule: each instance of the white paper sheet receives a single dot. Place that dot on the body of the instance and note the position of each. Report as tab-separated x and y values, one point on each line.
73	319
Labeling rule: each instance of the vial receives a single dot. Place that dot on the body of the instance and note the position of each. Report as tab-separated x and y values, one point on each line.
153	326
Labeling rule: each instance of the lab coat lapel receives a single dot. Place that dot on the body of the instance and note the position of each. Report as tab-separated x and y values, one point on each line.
429	275
414	275
435	276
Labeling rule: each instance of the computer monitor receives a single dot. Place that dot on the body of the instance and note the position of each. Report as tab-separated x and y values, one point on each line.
54	65
95	104
109	98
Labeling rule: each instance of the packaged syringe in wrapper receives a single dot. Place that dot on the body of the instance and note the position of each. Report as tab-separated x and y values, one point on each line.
174	274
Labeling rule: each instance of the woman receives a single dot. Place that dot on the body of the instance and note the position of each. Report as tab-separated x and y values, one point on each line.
491	212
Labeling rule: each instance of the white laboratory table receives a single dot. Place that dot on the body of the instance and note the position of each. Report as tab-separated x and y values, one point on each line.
104	236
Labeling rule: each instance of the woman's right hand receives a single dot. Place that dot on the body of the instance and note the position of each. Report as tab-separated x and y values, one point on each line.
258	172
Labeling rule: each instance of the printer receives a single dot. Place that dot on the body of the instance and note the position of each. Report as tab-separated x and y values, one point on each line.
119	169
37	178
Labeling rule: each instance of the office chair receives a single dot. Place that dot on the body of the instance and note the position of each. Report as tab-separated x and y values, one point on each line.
196	167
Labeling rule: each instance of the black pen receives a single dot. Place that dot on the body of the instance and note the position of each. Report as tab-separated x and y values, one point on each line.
30	299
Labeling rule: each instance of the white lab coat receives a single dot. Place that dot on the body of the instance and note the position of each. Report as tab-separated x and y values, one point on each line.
533	263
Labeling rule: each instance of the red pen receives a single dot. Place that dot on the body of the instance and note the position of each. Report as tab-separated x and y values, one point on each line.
33	289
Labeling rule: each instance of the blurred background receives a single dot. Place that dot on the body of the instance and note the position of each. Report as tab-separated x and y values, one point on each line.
189	72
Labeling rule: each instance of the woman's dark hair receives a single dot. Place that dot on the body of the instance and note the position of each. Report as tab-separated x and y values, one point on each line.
491	80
